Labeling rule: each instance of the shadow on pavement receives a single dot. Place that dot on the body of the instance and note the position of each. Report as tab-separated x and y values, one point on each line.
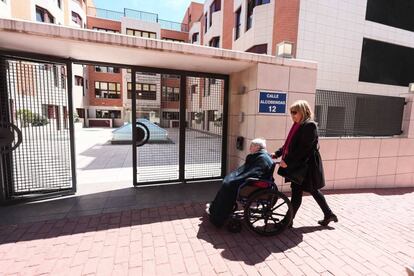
250	247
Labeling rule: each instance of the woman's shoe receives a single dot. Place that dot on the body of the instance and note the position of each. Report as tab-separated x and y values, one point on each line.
328	219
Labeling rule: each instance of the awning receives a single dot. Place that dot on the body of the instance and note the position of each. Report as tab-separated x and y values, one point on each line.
90	45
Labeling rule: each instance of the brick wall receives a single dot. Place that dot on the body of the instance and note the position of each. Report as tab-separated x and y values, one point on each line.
228	23
103	23
285	26
174	35
108	77
196	11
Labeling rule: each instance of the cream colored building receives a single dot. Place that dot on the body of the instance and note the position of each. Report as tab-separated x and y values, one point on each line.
62	12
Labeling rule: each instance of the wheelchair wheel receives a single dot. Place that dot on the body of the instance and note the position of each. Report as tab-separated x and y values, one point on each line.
268	212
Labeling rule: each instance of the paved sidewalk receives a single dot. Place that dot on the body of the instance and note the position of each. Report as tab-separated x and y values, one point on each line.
374	236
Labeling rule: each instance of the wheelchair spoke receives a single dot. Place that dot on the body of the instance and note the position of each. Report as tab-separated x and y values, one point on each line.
278	206
277	214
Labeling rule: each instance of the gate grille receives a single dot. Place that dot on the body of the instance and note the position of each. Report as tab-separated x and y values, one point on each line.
157	107
204	130
351	114
38	106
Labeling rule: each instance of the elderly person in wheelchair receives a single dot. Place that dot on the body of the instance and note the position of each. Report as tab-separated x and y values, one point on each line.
256	177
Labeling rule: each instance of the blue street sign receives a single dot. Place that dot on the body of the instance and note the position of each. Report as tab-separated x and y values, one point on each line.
270	102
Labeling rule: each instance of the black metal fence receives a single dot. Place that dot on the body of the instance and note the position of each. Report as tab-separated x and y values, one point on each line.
351	114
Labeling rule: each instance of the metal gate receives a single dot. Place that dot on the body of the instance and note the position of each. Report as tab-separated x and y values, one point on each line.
36	129
180	125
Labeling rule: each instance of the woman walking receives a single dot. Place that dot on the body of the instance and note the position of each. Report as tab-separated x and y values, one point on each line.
301	162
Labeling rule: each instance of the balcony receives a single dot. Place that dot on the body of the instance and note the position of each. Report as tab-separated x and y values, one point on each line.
139	15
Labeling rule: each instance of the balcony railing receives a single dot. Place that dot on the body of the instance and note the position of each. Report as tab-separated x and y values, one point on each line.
139	15
105	14
173	26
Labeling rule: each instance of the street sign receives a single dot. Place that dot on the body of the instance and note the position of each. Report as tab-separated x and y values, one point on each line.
272	102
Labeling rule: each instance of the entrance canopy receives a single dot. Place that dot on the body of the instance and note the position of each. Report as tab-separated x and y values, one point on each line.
90	45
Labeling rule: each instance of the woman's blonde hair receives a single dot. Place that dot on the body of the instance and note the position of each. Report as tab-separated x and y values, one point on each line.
303	108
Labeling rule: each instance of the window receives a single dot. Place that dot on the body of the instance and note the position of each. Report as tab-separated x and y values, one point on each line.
194	37
258	49
62	80
251	4
50	111
207	87
113	114
59	3
392	13
237	24
386	63
145	91
141	33
170	115
212	115
210	16
193	90
78	81
55	72
107	69
171	94
172	39
43	15
77	19
105	30
108	90
215	6
215	42
205	23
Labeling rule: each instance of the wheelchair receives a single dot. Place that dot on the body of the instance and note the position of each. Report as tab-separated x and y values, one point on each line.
264	209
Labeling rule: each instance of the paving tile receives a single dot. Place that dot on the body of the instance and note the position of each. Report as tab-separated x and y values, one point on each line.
373	237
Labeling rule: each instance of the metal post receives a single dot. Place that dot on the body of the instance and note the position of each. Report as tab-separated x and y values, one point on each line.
181	158
134	125
71	125
5	159
225	126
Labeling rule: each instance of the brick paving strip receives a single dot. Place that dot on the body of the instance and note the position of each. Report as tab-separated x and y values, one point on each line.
375	236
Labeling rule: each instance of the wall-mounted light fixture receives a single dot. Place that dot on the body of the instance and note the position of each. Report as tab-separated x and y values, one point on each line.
411	87
284	49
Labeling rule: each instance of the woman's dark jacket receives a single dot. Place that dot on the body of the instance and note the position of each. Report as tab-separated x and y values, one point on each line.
303	149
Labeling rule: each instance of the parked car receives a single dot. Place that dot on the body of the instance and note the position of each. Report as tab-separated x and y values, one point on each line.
123	134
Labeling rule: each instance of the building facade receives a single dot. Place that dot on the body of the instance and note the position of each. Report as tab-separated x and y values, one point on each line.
157	94
360	46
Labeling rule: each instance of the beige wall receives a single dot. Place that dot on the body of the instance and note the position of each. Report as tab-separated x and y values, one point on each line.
348	162
20	10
